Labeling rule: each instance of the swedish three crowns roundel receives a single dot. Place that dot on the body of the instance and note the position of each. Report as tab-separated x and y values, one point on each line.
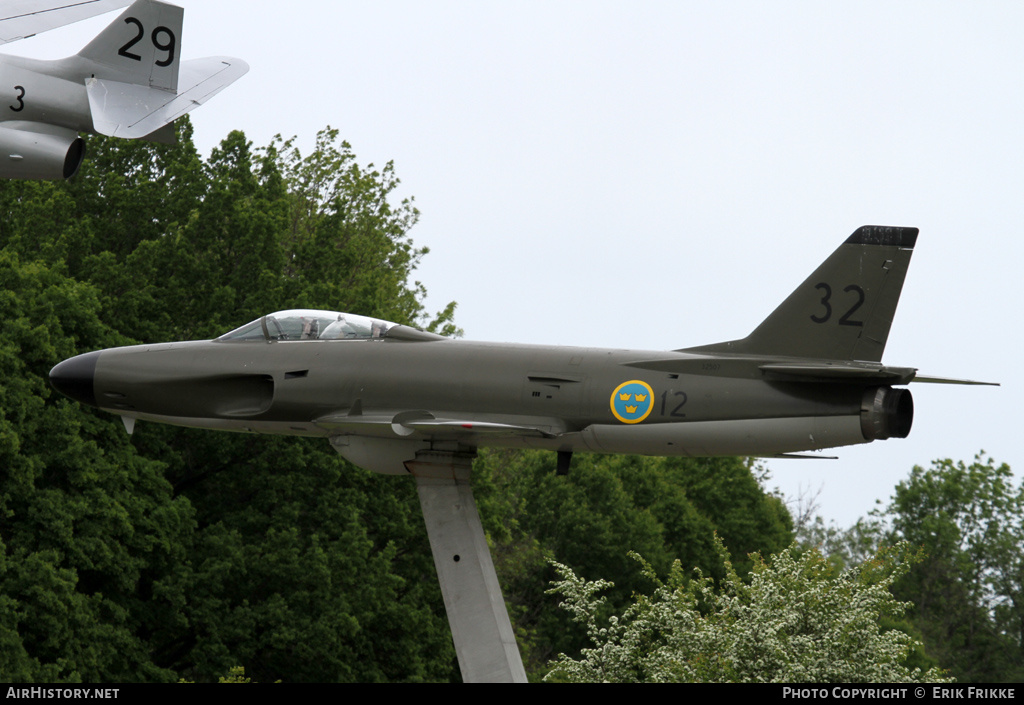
632	401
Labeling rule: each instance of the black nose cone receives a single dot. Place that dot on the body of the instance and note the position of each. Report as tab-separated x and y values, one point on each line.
74	377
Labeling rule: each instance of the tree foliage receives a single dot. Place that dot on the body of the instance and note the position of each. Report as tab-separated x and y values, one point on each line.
183	554
664	508
797	621
968	593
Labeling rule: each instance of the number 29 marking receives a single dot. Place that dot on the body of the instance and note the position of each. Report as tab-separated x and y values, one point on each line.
163	40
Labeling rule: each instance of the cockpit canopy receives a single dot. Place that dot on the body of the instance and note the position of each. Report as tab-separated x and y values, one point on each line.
310	324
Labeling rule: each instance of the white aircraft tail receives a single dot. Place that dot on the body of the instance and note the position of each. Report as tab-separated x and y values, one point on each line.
137	82
140	47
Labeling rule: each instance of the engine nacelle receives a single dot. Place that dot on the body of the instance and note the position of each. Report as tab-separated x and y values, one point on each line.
30	150
886	413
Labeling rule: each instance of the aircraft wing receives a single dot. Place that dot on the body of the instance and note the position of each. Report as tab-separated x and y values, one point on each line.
424	423
468	427
133	111
25	18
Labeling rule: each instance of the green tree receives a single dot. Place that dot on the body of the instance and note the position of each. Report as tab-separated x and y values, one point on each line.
847	547
605	507
185	553
968	593
89	531
181	552
796	621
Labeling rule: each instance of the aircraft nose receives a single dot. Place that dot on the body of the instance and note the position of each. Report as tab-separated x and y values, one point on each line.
74	377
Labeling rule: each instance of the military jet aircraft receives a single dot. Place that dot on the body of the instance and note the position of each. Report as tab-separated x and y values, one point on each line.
809	377
127	82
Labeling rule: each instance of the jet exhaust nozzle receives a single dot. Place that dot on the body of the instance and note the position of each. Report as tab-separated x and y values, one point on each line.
37	151
886	413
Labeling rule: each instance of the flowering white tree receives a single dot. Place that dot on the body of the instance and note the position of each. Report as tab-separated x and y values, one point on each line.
797	621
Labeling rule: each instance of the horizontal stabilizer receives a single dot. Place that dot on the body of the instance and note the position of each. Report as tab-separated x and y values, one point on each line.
852	372
830	372
24	18
133	111
800	456
949	380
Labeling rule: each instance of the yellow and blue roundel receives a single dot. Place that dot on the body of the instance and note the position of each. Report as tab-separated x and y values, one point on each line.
632	401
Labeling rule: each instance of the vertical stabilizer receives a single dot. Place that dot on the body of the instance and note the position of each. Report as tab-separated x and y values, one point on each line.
141	47
844	310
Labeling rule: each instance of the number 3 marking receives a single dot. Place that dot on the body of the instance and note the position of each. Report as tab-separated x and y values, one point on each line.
824	302
21	103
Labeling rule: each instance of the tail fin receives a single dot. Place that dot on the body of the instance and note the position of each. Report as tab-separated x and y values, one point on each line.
141	47
137	83
844	310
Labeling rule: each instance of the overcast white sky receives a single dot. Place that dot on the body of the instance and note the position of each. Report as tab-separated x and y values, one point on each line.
657	175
